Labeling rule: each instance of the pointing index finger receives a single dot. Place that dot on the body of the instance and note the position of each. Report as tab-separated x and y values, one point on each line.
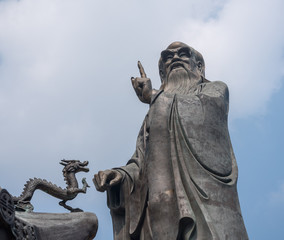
141	70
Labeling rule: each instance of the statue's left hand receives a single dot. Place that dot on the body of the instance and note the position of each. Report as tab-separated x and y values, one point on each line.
142	85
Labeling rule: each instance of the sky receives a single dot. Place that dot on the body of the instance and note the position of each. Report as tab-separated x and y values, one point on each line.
65	91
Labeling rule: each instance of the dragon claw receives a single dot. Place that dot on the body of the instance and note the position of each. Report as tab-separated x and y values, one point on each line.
84	181
24	206
77	210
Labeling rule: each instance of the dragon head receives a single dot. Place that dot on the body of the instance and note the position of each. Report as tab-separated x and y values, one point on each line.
74	166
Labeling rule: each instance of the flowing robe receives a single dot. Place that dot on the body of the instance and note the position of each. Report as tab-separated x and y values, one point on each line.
181	181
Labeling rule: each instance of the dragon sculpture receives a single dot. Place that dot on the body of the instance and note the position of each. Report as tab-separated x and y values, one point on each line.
71	167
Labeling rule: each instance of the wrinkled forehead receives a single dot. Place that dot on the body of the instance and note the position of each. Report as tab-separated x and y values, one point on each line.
172	51
177	47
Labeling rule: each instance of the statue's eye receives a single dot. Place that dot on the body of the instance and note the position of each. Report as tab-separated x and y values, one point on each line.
169	56
183	54
166	55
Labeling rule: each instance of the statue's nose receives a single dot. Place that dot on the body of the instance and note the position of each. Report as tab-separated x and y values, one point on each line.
175	58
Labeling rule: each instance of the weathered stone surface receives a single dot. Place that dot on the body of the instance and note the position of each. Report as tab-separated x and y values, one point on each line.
67	226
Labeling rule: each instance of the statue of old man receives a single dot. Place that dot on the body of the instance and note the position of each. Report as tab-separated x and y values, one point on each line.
181	180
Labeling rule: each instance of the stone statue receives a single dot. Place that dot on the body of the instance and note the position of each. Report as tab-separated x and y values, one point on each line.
181	180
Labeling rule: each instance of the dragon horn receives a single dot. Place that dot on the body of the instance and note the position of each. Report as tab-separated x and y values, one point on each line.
64	162
85	163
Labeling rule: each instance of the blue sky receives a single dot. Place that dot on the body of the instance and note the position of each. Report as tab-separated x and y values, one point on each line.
65	90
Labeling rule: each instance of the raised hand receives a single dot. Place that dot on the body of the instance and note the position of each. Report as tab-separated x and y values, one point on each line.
142	85
106	179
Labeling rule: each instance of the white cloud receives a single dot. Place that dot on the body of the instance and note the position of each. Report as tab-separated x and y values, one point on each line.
243	46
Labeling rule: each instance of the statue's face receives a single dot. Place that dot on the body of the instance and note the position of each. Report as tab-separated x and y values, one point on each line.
178	56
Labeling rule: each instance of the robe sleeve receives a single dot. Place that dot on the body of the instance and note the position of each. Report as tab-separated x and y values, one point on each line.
217	93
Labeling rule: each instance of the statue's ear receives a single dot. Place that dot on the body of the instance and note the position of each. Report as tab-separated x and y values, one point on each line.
200	67
162	75
161	70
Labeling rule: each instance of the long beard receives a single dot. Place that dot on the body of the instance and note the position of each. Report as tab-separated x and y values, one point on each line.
180	81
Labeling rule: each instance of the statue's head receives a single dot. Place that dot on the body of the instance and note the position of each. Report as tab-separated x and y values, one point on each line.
178	58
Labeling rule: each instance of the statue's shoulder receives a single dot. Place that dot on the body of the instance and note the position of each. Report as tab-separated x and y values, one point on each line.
215	88
216	85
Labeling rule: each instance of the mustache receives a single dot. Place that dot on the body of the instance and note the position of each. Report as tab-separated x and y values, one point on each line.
178	63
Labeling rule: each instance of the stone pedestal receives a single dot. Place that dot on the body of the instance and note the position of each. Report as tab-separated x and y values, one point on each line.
67	226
